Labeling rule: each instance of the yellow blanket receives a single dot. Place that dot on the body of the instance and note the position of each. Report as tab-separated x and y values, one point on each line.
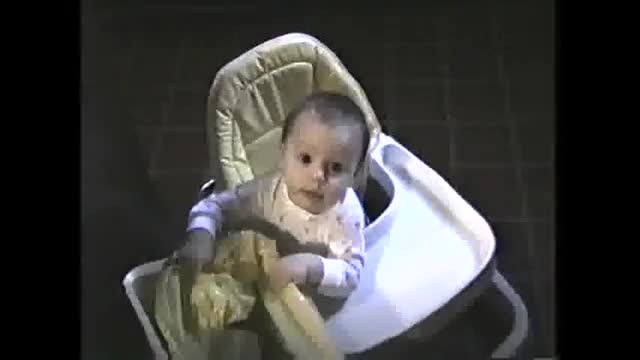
226	295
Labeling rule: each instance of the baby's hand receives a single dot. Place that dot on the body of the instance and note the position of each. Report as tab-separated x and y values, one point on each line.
196	251
199	247
293	269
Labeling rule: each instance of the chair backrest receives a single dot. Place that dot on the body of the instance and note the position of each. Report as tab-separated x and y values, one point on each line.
251	96
248	102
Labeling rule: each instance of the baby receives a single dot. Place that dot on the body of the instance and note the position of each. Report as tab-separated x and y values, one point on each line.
310	198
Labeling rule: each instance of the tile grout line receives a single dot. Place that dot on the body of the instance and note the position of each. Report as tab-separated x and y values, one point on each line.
514	141
517	219
389	97
184	171
502	164
183	128
164	125
511	123
450	122
516	146
137	127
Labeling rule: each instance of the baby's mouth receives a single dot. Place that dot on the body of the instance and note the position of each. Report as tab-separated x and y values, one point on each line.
314	195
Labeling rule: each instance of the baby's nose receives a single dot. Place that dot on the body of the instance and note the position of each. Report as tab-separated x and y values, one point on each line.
318	174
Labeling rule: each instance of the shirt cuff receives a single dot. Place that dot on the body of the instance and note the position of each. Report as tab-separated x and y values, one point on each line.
333	273
202	222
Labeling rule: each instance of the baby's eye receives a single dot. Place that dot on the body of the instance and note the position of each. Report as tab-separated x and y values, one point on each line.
305	158
336	168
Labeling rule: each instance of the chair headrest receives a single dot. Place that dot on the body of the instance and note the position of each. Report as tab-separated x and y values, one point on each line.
252	94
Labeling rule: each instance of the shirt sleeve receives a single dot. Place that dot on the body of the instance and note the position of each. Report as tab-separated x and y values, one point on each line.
342	275
227	207
207	214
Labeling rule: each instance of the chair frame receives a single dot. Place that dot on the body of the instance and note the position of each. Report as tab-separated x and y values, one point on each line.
507	349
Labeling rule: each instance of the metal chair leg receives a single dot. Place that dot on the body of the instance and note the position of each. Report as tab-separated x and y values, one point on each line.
520	329
129	282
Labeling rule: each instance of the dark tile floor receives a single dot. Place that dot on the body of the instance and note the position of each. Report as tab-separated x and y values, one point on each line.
469	88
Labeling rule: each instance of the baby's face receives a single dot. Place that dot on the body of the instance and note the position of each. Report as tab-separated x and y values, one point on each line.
319	162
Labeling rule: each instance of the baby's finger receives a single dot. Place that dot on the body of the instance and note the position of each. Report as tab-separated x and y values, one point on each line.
278	278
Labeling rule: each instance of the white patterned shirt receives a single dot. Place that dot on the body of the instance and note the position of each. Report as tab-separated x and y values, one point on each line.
339	228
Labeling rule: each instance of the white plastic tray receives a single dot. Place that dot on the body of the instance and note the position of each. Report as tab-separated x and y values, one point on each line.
426	247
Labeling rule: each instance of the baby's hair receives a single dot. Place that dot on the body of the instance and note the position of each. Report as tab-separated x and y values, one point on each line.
333	109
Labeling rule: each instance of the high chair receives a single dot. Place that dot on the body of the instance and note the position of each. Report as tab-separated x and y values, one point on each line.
429	253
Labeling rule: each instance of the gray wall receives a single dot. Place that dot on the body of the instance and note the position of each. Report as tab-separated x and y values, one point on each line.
468	87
